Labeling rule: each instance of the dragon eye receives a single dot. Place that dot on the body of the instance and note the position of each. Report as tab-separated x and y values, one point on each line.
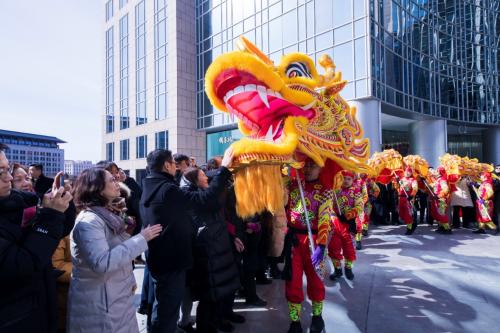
298	69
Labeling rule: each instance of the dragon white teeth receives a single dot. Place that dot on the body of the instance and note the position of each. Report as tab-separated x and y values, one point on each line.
229	94
308	106
263	95
250	87
239	89
231	116
277	94
275	130
269	134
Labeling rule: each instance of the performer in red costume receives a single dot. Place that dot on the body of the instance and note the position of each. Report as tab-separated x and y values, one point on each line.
484	204
408	187
439	203
302	261
361	219
348	205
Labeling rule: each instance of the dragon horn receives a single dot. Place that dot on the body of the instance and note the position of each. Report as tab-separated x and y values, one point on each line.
245	45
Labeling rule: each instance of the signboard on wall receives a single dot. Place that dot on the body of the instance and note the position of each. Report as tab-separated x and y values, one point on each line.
218	142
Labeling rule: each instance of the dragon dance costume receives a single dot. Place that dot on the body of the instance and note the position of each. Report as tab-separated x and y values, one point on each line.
440	203
484	203
319	209
348	206
361	219
408	187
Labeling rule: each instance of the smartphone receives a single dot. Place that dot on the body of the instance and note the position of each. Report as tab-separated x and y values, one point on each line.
62	181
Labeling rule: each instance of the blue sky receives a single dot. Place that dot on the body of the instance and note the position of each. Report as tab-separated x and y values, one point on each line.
51	65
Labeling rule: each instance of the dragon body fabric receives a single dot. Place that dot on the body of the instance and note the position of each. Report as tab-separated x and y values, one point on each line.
287	112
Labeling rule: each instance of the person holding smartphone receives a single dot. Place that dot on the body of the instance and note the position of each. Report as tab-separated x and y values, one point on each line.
27	282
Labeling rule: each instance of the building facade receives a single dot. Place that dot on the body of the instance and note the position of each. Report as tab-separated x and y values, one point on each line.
150	82
27	148
74	168
423	74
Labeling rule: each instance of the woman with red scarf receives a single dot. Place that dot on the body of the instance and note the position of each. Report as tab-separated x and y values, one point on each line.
439	205
484	204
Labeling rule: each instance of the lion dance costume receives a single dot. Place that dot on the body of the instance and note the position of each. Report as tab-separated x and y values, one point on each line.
287	112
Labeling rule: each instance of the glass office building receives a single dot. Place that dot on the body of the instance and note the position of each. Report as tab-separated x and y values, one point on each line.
423	74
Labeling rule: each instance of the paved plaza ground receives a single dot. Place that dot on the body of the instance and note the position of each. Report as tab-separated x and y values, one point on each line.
423	283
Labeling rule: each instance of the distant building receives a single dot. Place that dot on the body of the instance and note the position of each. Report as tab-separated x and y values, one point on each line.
27	148
74	168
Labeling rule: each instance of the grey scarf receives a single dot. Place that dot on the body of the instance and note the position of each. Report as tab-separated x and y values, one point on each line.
113	221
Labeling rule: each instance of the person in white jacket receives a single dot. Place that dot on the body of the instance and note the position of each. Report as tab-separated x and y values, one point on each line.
102	282
461	200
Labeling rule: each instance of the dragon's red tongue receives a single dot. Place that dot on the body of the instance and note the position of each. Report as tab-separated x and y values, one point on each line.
249	107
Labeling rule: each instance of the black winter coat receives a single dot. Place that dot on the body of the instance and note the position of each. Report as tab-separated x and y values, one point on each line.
133	203
163	202
27	280
215	275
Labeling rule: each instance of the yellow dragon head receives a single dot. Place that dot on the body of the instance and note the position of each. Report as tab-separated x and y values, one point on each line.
287	111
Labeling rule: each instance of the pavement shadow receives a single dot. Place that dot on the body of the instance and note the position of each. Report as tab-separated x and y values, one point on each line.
414	284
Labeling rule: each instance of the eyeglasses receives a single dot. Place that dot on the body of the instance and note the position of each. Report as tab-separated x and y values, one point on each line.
5	172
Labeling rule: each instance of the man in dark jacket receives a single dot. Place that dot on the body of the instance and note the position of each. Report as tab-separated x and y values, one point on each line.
41	183
27	280
170	255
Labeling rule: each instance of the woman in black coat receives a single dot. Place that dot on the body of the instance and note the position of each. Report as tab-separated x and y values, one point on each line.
214	277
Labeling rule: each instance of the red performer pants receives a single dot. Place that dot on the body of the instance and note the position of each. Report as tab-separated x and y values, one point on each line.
301	263
405	210
341	246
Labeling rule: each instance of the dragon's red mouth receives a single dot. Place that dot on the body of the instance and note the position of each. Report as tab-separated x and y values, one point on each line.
261	109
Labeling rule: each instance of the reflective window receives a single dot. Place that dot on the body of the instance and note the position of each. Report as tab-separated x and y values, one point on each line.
110	151
323	17
109	10
342	56
124	149
161	140
160	59
140	64
109	82
342	12
141	145
122	3
124	114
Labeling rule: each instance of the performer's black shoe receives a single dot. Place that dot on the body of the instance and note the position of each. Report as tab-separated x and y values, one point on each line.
295	327
479	231
348	273
408	231
447	232
359	246
336	274
317	325
365	232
